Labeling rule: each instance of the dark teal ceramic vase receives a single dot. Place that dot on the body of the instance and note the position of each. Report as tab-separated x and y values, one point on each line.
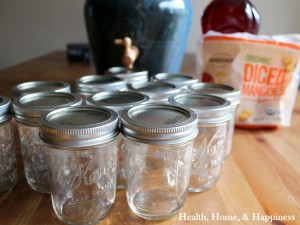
159	28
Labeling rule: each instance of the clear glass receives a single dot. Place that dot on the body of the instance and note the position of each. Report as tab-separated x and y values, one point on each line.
83	182
33	158
8	163
121	177
157	178
208	155
230	133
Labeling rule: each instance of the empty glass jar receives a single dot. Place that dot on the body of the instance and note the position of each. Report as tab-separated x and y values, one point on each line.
27	110
223	91
8	164
118	101
214	116
81	152
158	142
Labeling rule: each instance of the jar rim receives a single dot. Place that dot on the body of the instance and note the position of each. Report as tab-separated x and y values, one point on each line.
155	90
121	71
231	93
78	126
5	113
209	108
97	83
28	108
117	100
40	87
177	79
162	124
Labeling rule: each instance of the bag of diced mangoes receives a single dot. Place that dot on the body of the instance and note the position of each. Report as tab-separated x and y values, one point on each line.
264	68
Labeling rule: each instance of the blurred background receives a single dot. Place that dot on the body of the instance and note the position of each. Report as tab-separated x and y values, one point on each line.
31	28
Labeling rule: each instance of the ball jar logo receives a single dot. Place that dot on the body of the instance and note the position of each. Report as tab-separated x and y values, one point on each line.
214	146
87	172
211	149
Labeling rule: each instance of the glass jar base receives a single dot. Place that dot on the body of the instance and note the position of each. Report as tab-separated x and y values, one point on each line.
39	189
154	204
207	186
38	180
226	157
67	220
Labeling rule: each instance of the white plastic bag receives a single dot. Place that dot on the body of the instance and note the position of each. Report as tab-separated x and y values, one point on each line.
265	69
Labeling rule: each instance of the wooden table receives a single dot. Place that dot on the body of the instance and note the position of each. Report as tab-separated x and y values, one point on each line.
260	178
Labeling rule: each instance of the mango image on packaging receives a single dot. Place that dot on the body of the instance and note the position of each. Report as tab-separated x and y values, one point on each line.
245	114
221	74
288	64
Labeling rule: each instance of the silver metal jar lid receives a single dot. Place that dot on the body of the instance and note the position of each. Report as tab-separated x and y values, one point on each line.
224	91
210	109
155	90
40	87
178	79
5	109
78	126
160	124
29	108
118	100
91	84
129	75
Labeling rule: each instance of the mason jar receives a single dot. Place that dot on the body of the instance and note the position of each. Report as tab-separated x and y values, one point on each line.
8	163
92	84
27	110
118	101
81	152
131	76
158	142
40	87
214	116
159	92
224	91
181	80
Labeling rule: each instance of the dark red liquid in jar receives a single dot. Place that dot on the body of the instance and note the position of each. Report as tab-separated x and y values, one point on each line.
230	16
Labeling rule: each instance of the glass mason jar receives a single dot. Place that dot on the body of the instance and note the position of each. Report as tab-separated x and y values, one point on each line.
158	141
8	163
118	101
92	84
81	152
214	116
131	76
40	87
27	110
181	80
231	94
159	92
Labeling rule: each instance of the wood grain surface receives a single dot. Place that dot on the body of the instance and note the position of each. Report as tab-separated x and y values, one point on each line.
260	179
